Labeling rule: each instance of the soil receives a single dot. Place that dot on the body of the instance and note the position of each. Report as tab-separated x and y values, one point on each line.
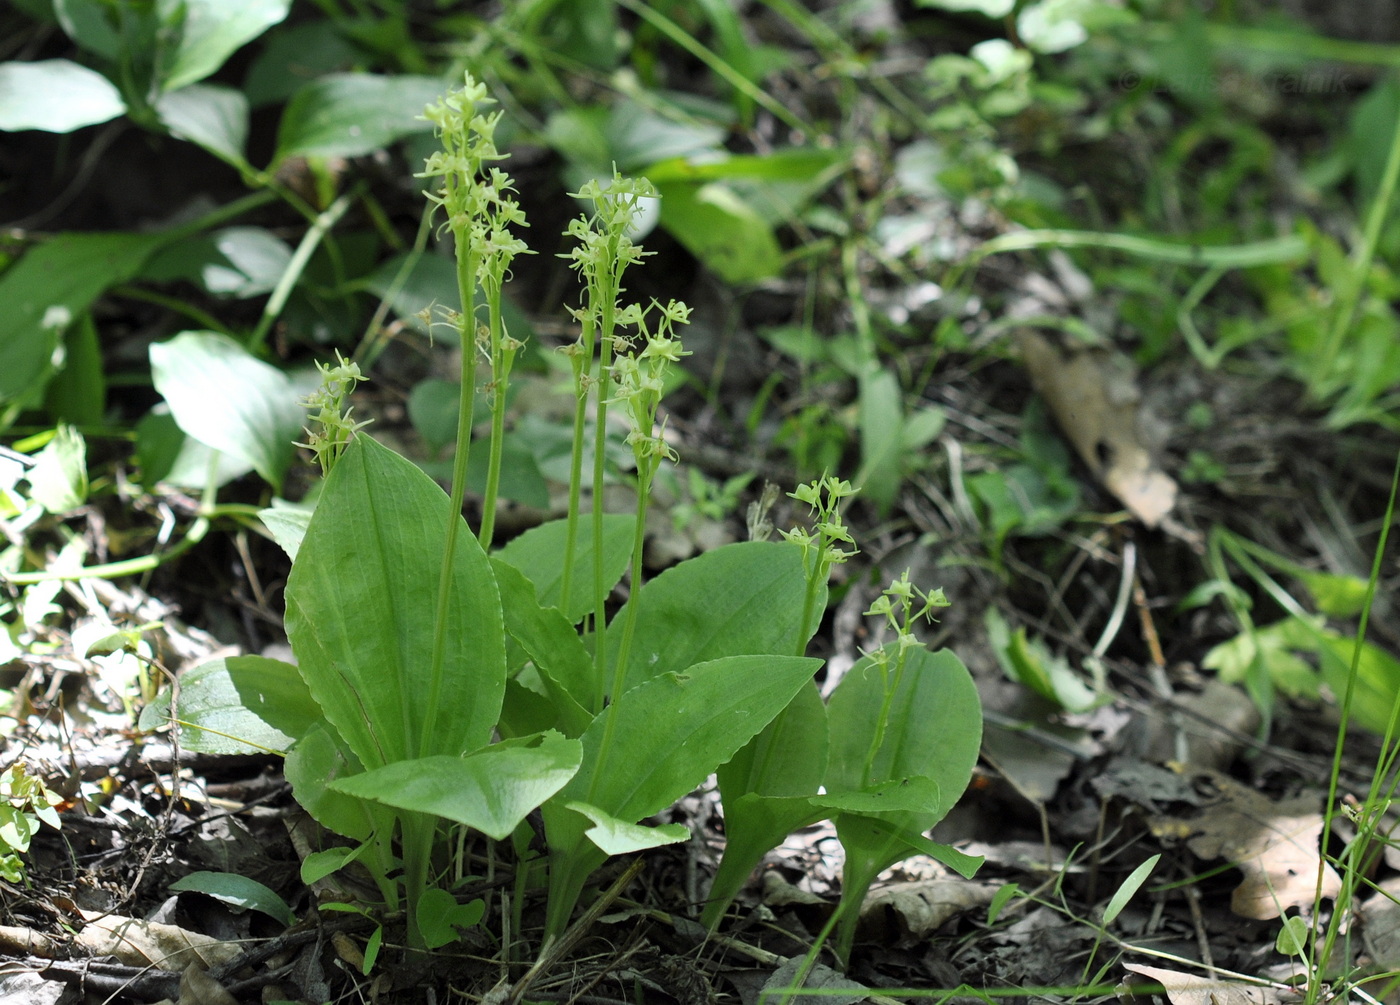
1065	806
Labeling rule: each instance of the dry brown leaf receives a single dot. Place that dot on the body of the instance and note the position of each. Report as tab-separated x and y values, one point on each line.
140	943
1189	989
1093	396
922	907
198	988
1275	844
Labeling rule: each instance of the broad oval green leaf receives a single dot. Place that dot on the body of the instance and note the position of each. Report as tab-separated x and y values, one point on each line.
674	730
618	837
563	664
240	705
737	600
350	114
490	790
361	603
720	228
239	891
537	553
55	95
46	291
668	734
58	481
317	760
215	118
933	730
221	395
212	31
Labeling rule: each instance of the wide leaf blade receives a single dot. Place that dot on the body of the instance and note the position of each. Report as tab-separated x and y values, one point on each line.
766	789
212	31
554	647
46	290
740	599
212	117
490	790
55	95
933	730
221	395
240	705
360	613
674	730
538	552
351	114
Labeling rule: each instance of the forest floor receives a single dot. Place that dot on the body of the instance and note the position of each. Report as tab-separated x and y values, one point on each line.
1151	491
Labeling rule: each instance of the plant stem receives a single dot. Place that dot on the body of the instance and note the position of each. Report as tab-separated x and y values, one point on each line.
645	472
501	360
1388	752
583	370
600	434
309	242
466	286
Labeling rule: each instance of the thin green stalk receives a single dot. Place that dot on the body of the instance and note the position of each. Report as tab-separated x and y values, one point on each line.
629	626
600	434
309	243
466	285
1388	745
215	217
800	977
1360	269
373	340
583	367
718	66
1228	256
204	319
502	358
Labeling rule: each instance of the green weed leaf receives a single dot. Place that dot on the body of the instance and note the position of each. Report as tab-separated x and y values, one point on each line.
881	412
360	613
1336	596
999	901
78	392
47	290
717	226
59	479
490	790
212	31
742	598
228	400
1127	888
440	915
240	705
350	114
55	95
618	837
538	552
209	116
1294	937
238	891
